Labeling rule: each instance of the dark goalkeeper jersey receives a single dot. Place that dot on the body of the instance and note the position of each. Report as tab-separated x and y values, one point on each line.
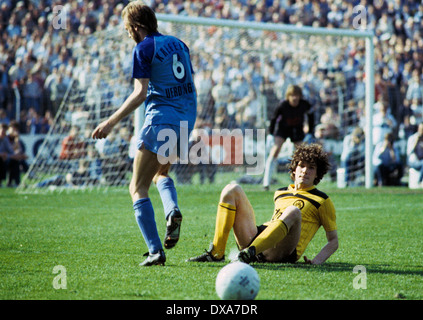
286	116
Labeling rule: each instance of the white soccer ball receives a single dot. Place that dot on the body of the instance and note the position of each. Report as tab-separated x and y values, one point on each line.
237	281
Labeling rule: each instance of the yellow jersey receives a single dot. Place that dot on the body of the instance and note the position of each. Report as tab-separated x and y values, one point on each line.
316	207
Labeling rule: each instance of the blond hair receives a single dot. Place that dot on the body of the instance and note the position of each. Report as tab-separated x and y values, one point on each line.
136	14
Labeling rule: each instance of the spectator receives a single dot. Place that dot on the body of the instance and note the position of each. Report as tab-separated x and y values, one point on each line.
415	88
360	87
272	92
353	154
384	25
383	123
58	91
79	117
19	154
49	80
199	160
32	92
350	117
81	176
4	81
6	152
407	120
417	109
395	82
223	120
3	117
335	15
95	166
46	122
23	120
113	168
33	122
221	94
239	86
9	161
17	72
13	29
387	162
329	124
415	152
72	146
329	94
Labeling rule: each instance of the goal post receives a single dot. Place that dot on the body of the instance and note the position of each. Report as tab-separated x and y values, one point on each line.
367	35
102	81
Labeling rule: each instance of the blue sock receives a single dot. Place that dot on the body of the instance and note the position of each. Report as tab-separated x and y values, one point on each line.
168	194
144	214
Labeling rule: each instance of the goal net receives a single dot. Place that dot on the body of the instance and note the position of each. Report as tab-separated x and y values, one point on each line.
242	72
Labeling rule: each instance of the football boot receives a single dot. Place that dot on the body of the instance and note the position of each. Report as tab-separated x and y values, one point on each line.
206	257
154	259
247	255
173	228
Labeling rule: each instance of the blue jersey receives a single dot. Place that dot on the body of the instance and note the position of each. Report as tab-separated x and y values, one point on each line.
171	96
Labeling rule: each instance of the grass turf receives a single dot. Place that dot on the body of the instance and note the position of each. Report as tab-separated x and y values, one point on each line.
94	236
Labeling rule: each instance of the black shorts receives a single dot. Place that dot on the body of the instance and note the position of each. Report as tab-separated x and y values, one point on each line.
292	258
296	134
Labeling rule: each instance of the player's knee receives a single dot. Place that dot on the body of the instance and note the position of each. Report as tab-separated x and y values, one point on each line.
159	176
229	192
296	213
137	191
163	172
291	215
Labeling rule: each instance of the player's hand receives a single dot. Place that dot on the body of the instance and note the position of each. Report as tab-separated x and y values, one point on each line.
307	260
102	130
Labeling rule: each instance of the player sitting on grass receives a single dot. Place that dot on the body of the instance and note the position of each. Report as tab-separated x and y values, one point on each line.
300	210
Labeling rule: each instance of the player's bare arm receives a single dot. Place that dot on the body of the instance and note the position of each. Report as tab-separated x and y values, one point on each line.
135	99
329	249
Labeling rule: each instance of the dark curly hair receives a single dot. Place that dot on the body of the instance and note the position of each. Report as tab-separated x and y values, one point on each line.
311	153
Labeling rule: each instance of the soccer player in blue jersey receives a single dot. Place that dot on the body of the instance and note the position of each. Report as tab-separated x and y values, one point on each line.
163	79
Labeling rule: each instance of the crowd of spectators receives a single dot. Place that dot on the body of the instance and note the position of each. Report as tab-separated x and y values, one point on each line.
36	54
38	40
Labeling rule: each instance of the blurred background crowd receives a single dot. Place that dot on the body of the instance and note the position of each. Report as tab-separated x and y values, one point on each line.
37	59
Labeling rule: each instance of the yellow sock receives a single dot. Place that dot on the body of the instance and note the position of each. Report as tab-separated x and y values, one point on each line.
275	232
225	219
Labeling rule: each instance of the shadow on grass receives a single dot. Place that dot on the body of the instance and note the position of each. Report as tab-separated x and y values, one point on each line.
344	267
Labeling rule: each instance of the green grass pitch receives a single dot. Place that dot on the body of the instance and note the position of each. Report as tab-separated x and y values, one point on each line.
94	238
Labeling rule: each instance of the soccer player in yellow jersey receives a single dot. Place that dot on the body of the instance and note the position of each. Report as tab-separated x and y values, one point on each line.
300	210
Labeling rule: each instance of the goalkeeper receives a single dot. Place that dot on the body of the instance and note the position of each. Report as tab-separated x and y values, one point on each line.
300	210
287	122
163	79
